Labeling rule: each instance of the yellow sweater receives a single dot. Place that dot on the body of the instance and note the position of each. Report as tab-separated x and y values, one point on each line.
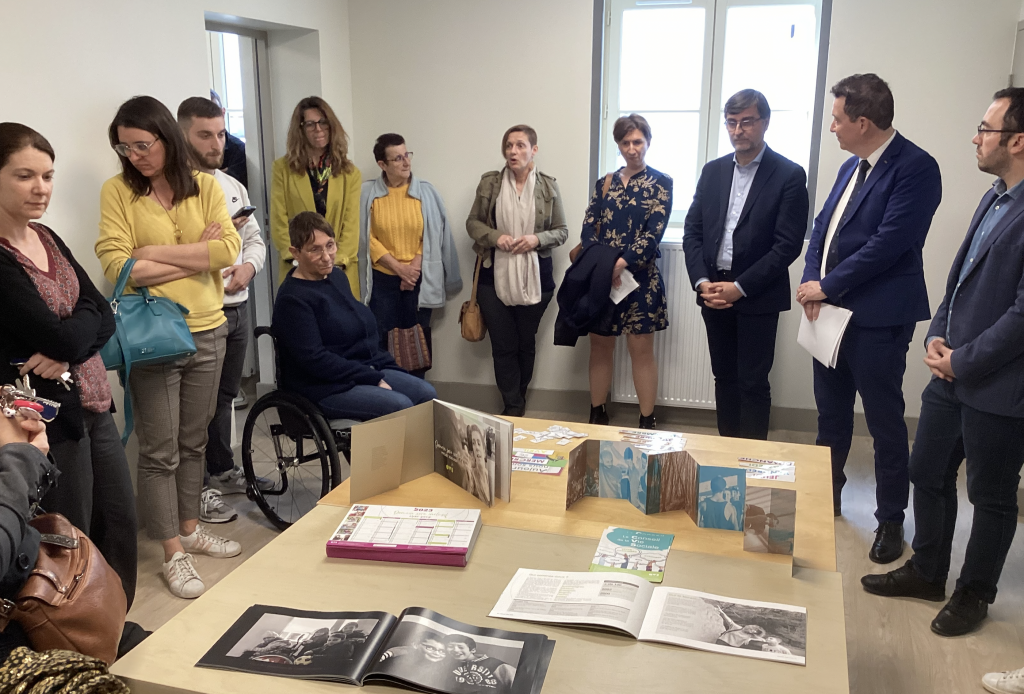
396	227
127	223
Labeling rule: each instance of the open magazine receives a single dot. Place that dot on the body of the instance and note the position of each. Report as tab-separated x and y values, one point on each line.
677	616
473	450
419	649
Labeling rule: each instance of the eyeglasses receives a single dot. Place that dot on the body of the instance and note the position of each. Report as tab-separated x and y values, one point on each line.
321	124
140	148
982	130
330	249
401	158
744	124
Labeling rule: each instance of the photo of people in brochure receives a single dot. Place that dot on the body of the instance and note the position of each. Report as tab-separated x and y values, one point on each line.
419	649
721	494
471	449
769	522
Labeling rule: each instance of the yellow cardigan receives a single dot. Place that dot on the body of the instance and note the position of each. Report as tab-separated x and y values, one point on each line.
291	193
128	222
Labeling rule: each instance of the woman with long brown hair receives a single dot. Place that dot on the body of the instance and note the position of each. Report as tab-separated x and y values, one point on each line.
316	175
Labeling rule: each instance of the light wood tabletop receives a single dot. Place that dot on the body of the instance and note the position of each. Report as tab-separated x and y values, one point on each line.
538	501
293	571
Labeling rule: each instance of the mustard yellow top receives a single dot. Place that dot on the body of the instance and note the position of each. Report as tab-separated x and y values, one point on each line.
127	223
396	227
291	193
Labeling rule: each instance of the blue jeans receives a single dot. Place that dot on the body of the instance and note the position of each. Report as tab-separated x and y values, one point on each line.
368	402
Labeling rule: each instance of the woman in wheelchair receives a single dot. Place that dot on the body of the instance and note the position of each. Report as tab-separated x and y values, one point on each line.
329	347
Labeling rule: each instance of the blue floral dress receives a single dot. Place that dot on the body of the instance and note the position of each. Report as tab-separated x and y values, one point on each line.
633	218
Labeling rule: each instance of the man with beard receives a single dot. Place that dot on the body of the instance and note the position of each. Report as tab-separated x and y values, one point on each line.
469	672
203	124
974	405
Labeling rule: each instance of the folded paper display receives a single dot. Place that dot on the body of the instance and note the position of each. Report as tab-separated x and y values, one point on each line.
823	336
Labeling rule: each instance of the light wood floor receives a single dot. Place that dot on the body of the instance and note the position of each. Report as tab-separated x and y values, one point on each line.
891	648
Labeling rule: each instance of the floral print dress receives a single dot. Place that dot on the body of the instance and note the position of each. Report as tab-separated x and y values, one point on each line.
633	218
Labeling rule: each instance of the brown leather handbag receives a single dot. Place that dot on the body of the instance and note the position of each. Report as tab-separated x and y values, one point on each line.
597	223
471	320
72	600
409	348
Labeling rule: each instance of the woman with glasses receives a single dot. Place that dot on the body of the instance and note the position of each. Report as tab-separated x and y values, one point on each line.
53	324
174	222
516	221
631	217
330	348
317	176
408	261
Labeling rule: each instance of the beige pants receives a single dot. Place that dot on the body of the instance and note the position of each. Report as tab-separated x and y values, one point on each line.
173	405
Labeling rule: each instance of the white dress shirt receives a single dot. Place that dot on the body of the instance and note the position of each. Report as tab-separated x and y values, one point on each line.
837	214
254	249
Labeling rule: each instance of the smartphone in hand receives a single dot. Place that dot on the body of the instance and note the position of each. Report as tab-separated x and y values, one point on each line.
244	212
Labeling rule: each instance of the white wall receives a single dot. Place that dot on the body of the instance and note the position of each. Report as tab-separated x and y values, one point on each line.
451	76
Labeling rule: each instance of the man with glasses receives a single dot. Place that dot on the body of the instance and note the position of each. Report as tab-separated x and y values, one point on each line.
974	404
865	255
744	229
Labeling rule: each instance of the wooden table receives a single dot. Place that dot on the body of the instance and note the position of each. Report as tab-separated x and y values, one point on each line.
538	501
293	571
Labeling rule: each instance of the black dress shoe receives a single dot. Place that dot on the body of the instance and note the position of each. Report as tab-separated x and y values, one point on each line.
837	509
888	544
904	582
648	422
599	415
962	614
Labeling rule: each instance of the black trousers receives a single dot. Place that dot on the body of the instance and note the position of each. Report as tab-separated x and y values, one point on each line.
871	362
994	447
94	492
742	350
513	331
219	457
394	308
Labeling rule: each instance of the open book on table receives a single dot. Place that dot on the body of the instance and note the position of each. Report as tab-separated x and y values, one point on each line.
630	604
419	649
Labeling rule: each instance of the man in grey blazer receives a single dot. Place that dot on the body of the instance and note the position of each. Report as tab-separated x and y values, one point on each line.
974	404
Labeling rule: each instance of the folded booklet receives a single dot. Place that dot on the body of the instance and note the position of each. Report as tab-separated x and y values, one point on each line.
677	616
419	649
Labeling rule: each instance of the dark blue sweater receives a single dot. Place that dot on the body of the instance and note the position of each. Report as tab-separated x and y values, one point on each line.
328	340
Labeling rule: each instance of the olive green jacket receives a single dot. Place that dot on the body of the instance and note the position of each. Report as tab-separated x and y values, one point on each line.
550	228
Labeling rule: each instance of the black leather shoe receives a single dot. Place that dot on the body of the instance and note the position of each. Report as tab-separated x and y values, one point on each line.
904	582
648	422
837	508
888	544
599	415
962	614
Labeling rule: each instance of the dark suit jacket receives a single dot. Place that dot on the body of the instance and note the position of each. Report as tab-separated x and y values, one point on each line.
767	238
584	304
880	276
986	326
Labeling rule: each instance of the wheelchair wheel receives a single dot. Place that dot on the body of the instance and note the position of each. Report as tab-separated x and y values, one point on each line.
289	457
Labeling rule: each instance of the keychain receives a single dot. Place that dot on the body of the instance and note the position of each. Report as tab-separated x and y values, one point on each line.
21	399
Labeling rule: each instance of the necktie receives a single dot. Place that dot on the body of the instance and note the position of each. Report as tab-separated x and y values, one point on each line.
832	258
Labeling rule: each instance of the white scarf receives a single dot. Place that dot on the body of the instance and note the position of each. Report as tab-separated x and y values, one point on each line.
516	276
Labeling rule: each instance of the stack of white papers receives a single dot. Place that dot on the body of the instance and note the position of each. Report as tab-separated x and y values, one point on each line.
822	337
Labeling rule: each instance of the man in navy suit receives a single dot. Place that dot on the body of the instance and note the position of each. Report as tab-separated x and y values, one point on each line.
865	255
744	229
974	405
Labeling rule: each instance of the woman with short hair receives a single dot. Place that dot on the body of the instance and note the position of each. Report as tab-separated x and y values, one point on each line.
316	175
630	217
408	262
516	221
174	222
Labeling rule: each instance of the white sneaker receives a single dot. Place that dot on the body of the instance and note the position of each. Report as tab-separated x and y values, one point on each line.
212	508
233	482
203	541
1011	682
182	578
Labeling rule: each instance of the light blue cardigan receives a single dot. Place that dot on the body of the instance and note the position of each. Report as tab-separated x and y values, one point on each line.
439	275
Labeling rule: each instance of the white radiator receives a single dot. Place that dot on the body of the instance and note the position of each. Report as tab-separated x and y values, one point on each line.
684	366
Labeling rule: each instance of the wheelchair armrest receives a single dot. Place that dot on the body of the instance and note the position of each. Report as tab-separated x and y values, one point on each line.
262	330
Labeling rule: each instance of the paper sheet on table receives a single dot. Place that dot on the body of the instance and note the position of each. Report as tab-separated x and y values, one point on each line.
822	337
627	285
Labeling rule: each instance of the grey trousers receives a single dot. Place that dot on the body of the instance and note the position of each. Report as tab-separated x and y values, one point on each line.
173	406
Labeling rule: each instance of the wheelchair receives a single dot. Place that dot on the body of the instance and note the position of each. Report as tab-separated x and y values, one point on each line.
291	453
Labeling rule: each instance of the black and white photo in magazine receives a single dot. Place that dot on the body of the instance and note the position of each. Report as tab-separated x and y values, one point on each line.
303	642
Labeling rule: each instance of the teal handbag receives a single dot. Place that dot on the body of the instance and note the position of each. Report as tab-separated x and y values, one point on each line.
150	330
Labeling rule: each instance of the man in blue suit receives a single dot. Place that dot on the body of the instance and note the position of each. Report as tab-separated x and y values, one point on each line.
865	255
974	405
744	229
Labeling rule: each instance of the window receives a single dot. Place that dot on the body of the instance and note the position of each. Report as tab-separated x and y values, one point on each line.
677	62
226	78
